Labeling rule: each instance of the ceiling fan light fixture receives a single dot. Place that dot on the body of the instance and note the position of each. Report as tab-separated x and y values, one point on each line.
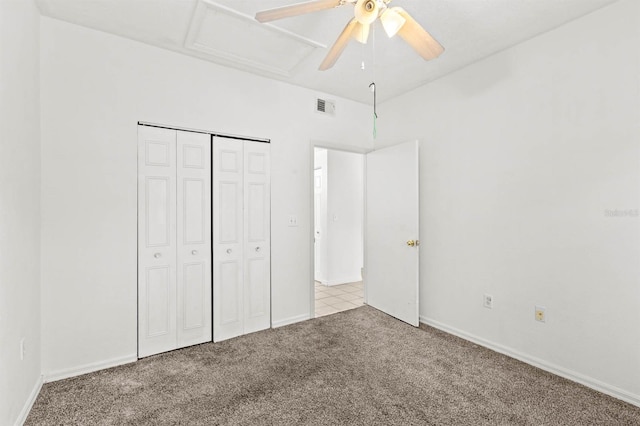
392	21
361	32
395	20
366	11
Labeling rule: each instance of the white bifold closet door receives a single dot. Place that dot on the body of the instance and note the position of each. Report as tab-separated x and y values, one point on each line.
241	229
174	239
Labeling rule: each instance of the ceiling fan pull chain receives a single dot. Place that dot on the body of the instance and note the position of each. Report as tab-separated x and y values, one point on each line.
375	129
373	88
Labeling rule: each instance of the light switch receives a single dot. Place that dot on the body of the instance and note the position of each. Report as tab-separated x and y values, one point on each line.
293	220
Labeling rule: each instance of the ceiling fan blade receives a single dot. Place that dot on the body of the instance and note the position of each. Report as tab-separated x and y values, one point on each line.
417	37
338	47
296	9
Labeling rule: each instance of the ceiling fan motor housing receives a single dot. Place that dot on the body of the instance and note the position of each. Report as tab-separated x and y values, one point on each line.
366	11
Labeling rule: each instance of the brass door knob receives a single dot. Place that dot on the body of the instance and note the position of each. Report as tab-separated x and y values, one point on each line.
411	243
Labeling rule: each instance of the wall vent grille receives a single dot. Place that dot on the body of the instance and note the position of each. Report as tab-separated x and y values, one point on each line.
325	106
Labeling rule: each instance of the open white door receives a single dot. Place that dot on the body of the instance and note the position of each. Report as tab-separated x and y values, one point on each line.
392	231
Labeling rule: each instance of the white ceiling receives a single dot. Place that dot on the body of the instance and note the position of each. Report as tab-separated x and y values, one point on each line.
469	30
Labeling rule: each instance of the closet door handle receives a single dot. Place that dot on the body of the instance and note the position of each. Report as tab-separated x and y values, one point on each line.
257	249
229	251
157	255
194	252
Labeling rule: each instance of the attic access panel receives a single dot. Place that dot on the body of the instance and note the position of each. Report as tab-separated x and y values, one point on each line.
235	39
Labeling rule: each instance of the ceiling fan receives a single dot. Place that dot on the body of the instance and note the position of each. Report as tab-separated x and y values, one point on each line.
395	20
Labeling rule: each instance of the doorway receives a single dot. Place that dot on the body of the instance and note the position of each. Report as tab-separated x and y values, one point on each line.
338	230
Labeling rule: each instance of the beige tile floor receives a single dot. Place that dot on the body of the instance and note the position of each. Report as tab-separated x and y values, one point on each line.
338	298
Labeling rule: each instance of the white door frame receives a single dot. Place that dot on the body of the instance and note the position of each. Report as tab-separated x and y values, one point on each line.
332	147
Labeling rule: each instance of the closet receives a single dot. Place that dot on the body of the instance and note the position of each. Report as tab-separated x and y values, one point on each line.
203	238
241	248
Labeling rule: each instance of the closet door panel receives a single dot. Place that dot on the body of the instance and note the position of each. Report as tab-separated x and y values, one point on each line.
158	297
229	203
156	240
257	242
257	194
228	196
230	286
157	190
196	299
257	293
194	198
194	238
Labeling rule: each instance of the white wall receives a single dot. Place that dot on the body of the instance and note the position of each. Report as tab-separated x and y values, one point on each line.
521	155
339	247
95	88
321	246
19	208
345	203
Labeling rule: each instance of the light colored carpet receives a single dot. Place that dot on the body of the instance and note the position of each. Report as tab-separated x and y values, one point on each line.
358	367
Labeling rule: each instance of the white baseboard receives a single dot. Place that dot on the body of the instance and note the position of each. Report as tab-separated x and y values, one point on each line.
341	281
22	417
537	362
88	368
291	320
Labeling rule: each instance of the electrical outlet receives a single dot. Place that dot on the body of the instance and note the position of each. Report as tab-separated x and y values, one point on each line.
22	349
540	314
293	220
488	301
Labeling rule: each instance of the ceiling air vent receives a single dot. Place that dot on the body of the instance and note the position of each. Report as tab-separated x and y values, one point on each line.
325	106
